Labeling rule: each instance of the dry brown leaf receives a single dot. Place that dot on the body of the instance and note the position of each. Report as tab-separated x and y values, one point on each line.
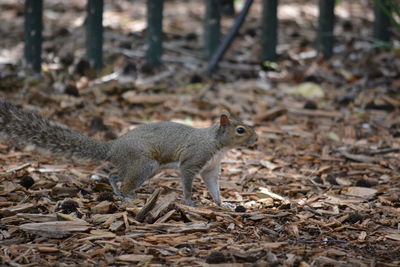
359	191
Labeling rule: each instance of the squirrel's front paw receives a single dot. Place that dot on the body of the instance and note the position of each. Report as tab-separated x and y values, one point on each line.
128	199
190	202
227	205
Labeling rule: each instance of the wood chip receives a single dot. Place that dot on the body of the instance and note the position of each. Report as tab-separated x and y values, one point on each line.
269	115
326	160
38	217
55	229
116	226
47	249
151	202
102	208
161	206
393	237
359	191
133	98
135	258
360	158
315	113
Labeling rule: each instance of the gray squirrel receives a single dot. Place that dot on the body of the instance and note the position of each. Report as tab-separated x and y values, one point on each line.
140	153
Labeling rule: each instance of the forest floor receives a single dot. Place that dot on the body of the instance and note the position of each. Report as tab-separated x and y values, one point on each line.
321	188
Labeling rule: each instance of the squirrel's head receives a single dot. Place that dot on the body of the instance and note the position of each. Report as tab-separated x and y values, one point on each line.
234	133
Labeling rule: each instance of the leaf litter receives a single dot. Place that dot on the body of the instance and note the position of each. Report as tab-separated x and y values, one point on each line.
322	187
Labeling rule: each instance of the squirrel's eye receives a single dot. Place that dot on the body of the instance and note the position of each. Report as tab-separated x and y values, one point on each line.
240	130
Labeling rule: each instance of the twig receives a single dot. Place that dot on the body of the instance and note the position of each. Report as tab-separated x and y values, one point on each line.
315	113
356	157
218	54
23	166
380	151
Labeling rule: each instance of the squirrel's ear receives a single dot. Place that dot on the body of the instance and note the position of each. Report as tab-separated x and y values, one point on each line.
225	112
224	120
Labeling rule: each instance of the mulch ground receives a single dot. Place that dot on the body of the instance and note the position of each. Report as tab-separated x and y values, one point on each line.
321	188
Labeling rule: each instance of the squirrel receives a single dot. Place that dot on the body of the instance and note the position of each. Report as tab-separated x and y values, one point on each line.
140	153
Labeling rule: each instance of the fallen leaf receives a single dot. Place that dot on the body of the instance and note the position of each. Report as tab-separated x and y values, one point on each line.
269	165
266	193
359	191
393	237
308	90
135	258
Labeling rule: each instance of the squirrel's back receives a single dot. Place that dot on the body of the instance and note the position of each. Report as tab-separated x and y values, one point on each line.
156	131
166	142
28	127
162	141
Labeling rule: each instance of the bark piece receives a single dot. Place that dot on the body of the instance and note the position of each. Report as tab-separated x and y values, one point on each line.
59	229
360	158
37	217
116	226
161	206
315	113
135	258
5	212
102	208
178	227
393	237
48	249
360	191
269	115
150	203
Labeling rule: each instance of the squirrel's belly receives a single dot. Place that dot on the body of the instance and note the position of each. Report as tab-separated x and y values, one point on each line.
171	165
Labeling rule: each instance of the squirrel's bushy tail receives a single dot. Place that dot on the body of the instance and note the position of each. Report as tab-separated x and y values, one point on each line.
28	127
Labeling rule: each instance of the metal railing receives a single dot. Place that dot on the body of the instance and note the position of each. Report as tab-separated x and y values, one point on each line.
213	47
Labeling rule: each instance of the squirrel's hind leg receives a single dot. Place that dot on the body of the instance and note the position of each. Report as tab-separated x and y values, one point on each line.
136	174
114	178
187	175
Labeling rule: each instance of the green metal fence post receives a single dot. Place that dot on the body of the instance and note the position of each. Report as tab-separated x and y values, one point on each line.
269	26
94	33
212	28
154	36
33	34
226	42
382	20
326	25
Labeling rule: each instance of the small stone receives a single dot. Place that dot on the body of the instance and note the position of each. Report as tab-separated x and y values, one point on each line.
310	105
26	181
366	183
240	208
116	226
216	257
69	206
71	90
105	196
354	218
